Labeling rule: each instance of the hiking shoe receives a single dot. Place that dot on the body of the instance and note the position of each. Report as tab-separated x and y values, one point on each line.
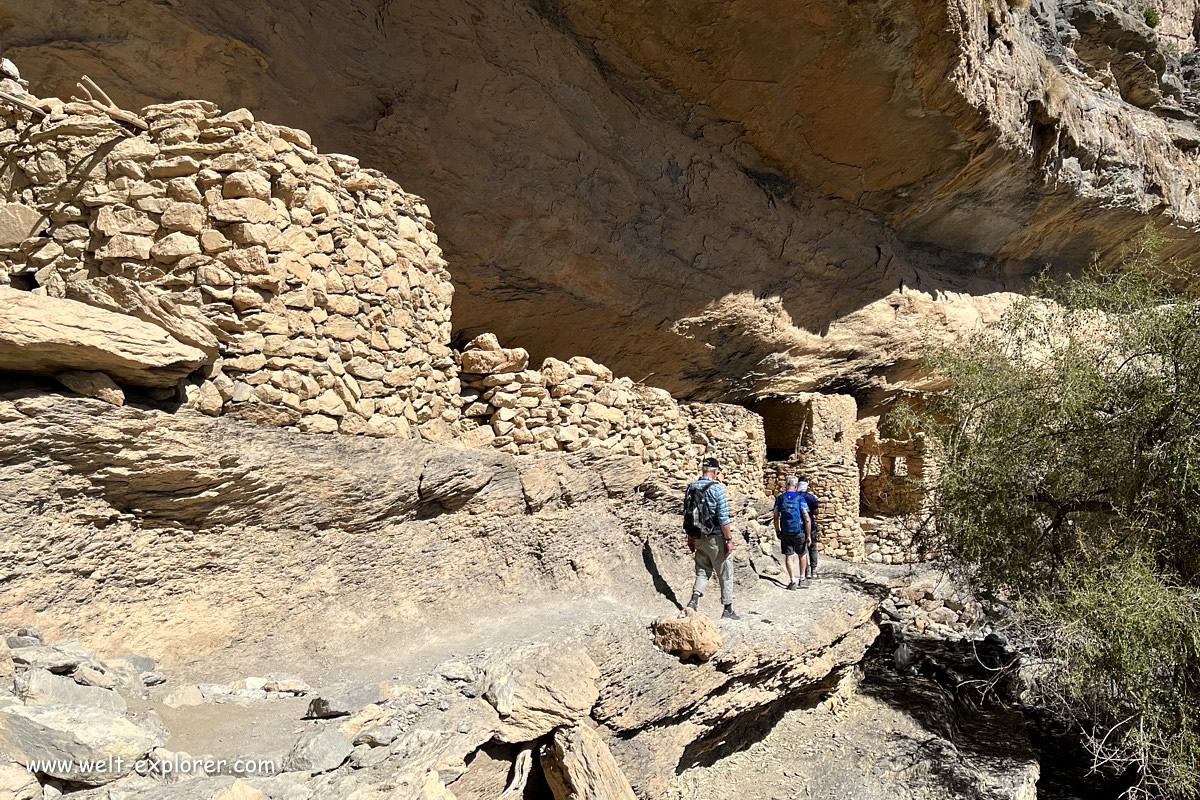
793	585
730	613
694	602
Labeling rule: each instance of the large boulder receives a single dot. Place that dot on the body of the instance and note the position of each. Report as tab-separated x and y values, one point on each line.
318	750
60	657
579	766
48	335
541	691
75	743
345	699
39	687
690	636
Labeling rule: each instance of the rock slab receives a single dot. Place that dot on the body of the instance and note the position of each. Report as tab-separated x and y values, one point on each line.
72	735
39	687
48	335
579	766
545	690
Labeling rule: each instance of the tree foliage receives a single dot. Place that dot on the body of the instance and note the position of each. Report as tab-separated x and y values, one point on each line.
1069	479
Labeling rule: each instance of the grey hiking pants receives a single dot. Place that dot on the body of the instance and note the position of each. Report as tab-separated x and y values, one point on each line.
711	557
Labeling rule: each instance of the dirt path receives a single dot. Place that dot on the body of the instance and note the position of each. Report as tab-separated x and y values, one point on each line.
267	728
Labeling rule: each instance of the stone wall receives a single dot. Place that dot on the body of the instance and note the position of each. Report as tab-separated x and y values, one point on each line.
316	287
731	433
892	540
576	404
894	475
825	454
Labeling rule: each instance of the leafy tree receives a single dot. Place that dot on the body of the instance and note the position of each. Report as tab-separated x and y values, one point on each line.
1068	447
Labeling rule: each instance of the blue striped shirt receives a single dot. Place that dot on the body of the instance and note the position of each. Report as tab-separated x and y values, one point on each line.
716	491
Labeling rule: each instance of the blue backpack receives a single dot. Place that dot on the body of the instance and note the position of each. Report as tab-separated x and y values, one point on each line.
791	516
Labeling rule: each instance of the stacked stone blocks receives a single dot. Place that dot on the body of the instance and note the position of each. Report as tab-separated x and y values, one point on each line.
320	283
575	404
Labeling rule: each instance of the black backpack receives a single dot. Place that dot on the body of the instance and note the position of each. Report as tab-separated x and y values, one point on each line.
699	510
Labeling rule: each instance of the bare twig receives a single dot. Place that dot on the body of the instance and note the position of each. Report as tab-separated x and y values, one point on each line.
89	84
8	98
98	99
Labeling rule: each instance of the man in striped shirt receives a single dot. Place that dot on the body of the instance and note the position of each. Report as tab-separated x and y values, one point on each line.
712	543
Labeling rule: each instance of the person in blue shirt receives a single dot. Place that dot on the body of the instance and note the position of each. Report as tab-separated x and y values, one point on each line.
793	526
810	500
711	543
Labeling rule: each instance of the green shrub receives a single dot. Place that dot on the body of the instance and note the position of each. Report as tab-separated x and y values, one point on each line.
1069	450
1152	16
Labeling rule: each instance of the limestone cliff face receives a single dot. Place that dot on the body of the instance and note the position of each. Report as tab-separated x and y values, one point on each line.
741	198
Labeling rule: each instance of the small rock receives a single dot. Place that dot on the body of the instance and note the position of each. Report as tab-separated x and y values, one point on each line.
487	362
186	217
18	783
378	736
22	641
286	684
153	678
124	245
92	384
19	222
247	184
692	636
30	633
90	676
189	695
484	341
456	671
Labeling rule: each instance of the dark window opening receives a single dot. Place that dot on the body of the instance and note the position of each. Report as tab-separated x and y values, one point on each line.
26	282
787	425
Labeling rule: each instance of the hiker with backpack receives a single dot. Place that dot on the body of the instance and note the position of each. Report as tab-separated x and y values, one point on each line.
810	500
706	522
793	526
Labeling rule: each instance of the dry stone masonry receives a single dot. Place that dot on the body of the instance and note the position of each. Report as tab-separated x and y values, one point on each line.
818	444
221	261
895	474
574	404
317	287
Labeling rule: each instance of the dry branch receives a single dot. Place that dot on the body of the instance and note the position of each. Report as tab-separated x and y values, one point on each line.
98	99
8	98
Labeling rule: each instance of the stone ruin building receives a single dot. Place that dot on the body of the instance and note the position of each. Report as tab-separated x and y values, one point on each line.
301	290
